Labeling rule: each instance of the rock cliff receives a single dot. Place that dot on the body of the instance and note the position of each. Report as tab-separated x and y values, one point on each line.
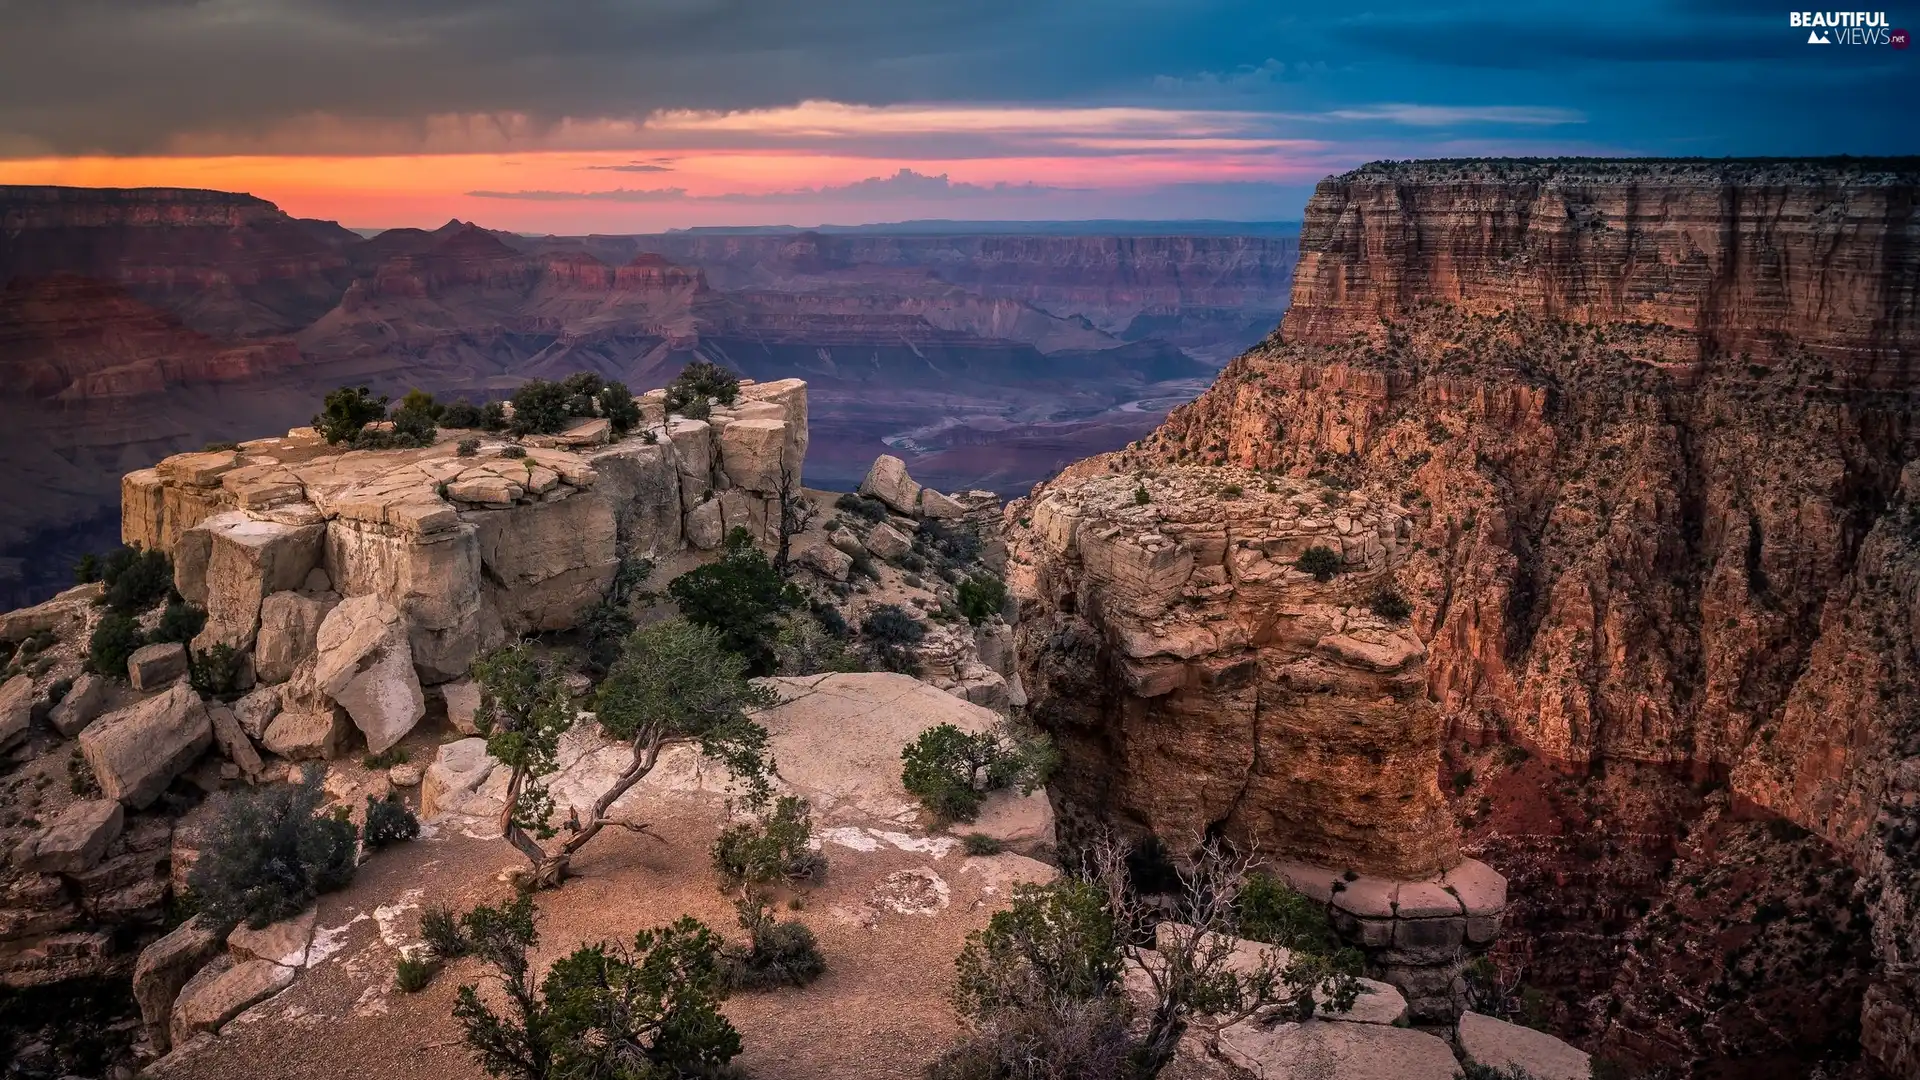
1651	427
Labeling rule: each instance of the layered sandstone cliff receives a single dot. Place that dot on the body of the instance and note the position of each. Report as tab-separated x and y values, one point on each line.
1651	425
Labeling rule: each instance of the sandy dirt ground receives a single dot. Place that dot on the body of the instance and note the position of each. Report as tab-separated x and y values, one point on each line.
890	921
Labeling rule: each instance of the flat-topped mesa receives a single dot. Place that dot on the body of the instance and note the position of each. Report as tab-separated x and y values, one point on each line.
1747	257
471	549
1202	684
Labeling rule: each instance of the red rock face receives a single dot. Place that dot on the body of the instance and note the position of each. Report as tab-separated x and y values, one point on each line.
1655	426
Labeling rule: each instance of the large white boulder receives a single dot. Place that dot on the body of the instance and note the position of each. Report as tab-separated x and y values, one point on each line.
289	628
136	752
752	452
888	481
1336	1050
16	709
365	665
1497	1044
232	561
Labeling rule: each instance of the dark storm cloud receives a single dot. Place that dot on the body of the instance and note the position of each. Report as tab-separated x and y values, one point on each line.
142	76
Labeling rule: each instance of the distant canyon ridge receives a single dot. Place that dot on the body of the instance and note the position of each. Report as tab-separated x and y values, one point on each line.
135	323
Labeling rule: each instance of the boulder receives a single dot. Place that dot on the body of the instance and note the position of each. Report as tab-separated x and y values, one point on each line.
223	990
16	709
245	560
844	539
752	453
1334	1050
935	505
463	704
704	526
256	710
693	451
164	967
289	627
152	667
452	783
76	840
82	703
233	740
62	616
404	775
888	542
887	480
830	561
136	752
1496	1044
308	734
364	664
284	943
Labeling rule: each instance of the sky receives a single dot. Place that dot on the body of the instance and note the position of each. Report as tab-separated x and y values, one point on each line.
576	116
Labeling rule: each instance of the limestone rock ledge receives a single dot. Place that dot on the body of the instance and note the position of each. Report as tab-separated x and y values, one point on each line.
470	549
1199	683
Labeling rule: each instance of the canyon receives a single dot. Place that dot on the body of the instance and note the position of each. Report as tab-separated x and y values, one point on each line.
1646	434
145	322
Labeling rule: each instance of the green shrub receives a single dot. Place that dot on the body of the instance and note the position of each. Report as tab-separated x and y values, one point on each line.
1319	561
493	416
741	595
1267	910
386	759
115	638
1389	604
1140	496
646	1014
889	633
136	580
777	953
514	451
180	622
775	846
86	569
698	382
960	543
803	646
582	388
467	447
412	974
440	929
266	856
80	778
864	507
216	672
981	597
389	822
416	418
539	408
464	415
618	406
977	843
950	771
346	411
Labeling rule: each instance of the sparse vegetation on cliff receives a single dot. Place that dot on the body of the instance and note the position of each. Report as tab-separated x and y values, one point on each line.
741	595
347	411
696	384
539	408
268	854
951	771
778	952
1319	562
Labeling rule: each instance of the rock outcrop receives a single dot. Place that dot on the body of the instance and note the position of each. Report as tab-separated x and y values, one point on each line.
136	752
467	549
1650	428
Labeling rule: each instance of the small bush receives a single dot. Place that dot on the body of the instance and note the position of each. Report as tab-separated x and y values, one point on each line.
618	406
86	569
493	416
440	929
741	595
514	451
1389	604
114	640
80	778
773	847
776	954
802	646
413	974
266	855
539	408
389	822
464	415
180	622
416	418
1140	496
582	388
951	771
346	411
959	543
1319	561
864	507
216	672
889	633
136	580
1267	910
981	597
698	382
977	843
386	759
467	447
216	447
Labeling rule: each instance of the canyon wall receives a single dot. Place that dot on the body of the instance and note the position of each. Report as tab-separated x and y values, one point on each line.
1651	425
